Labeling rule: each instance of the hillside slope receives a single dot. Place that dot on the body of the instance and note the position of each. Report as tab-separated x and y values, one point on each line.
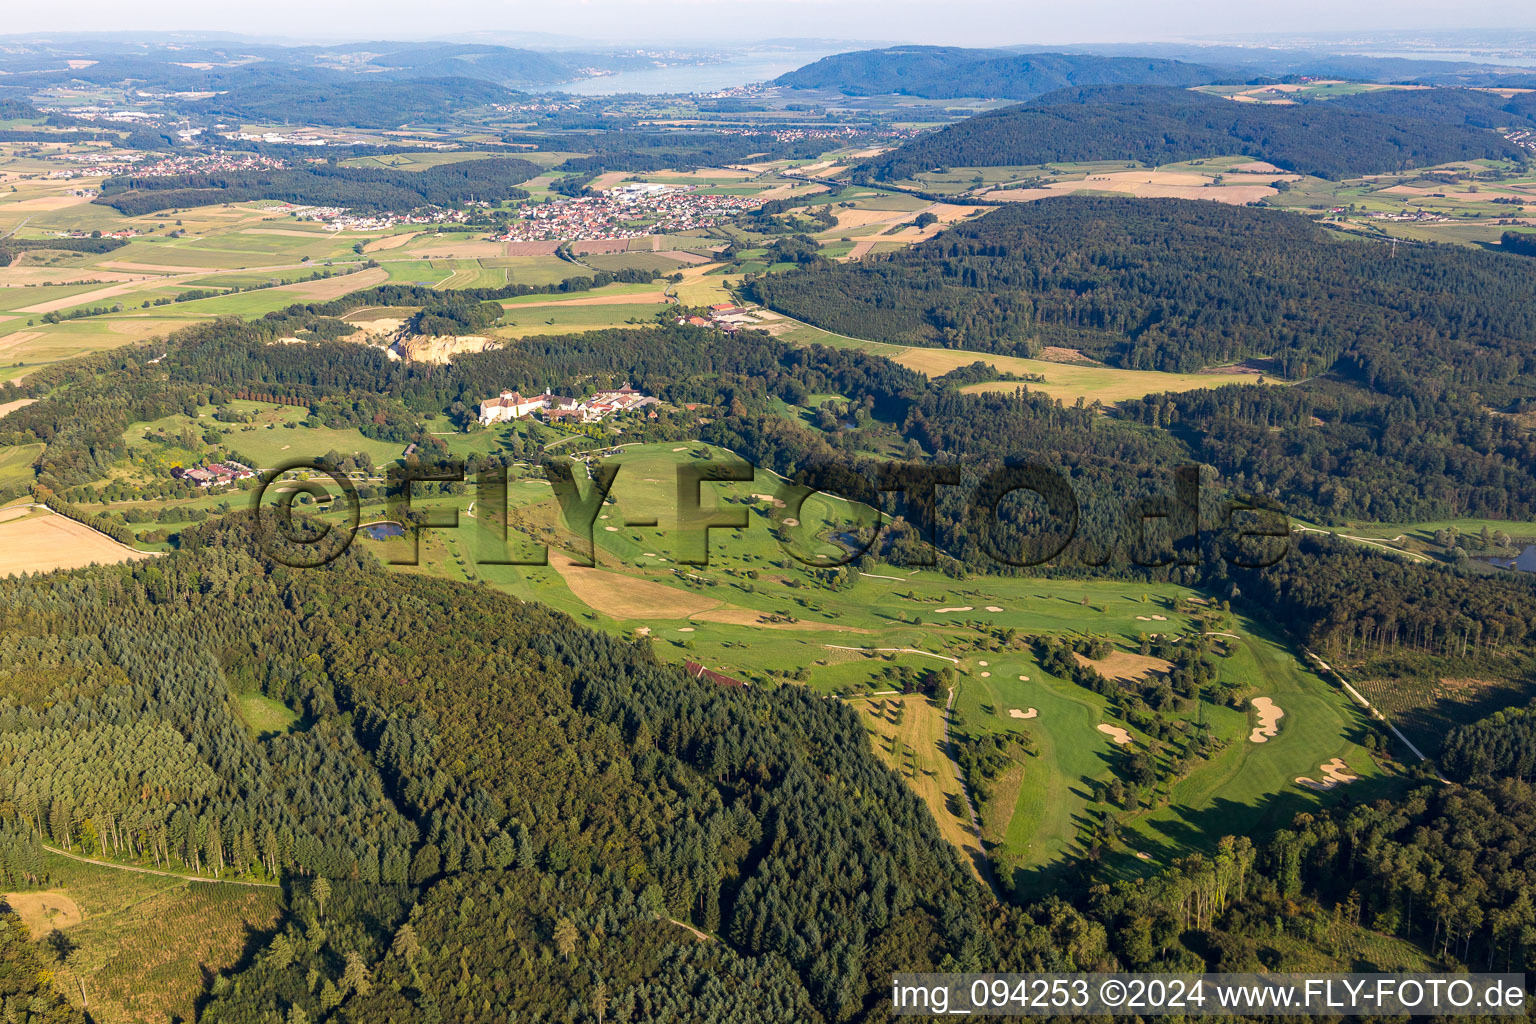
1164	125
946	72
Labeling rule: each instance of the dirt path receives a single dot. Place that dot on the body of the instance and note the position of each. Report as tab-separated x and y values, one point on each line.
701	936
894	650
1369	542
153	871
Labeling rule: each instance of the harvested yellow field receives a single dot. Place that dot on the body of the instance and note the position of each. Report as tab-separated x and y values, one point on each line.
20	277
6	408
1064	381
41	203
83	299
17	340
48	542
1125	666
864	218
607	180
336	287
908	734
42	912
1147	185
708	173
461	249
390	242
785	191
285	232
627	597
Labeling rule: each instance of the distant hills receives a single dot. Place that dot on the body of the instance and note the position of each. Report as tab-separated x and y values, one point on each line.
194	64
1161	125
949	72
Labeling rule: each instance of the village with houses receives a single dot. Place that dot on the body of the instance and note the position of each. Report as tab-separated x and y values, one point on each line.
629	211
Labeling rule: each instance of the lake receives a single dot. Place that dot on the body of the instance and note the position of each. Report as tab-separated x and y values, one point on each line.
1523	562
738	69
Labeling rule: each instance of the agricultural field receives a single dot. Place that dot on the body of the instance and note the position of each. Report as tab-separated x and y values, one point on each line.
37	540
1064	381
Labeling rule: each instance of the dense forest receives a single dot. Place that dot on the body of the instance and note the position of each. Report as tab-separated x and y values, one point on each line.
324	97
328	184
487	811
1166	284
948	72
1155	125
1473	108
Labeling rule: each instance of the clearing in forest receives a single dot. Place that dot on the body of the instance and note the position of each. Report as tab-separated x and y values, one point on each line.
908	734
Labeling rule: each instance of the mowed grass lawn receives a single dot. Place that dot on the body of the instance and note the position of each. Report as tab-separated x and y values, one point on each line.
267	447
528	321
16	462
756	614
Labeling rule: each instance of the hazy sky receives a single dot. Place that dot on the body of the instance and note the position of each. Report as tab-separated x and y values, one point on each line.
685	22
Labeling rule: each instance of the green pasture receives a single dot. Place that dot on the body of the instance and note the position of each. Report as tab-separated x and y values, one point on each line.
832	636
527	321
16	462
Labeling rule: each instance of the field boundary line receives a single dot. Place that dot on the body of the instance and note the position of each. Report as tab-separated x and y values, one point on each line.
155	871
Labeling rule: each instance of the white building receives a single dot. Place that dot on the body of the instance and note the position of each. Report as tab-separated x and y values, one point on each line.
509	405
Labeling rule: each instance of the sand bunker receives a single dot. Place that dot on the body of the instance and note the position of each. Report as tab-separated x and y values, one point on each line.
1159	618
1016	713
1023	679
611	529
1335	773
983	664
682	449
685	629
1115	733
962	608
1142	618
986	675
768	497
993	608
1269	719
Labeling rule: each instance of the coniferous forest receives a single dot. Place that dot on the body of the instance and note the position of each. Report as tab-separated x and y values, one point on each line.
1163	125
